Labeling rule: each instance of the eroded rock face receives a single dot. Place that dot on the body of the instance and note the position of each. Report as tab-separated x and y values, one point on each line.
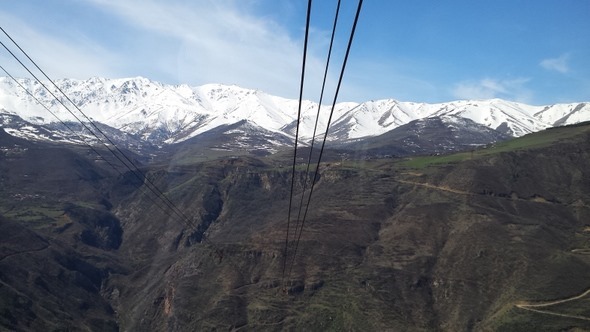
438	250
448	247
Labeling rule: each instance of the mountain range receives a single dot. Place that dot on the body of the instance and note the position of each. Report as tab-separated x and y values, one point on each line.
141	113
494	238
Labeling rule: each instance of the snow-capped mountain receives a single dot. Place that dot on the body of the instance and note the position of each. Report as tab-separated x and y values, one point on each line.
168	114
430	135
564	114
514	119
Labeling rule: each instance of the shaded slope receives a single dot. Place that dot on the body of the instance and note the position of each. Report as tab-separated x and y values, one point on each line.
45	285
57	238
237	139
441	248
434	135
447	246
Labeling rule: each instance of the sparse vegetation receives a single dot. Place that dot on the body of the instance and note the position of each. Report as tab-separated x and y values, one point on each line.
531	141
446	243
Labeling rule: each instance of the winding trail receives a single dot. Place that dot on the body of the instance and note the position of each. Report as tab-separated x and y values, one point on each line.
533	307
431	186
537	307
536	199
45	246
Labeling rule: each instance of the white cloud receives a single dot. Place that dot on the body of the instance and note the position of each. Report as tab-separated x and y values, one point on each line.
215	42
488	88
59	58
175	41
559	64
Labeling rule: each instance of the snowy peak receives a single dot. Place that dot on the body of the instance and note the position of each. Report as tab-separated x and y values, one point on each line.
429	135
511	118
376	117
564	114
141	106
168	114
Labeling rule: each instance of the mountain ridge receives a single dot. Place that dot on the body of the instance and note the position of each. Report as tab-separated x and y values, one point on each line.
440	246
167	114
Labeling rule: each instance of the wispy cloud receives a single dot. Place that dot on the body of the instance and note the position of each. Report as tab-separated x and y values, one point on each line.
258	44
559	64
215	41
72	57
488	88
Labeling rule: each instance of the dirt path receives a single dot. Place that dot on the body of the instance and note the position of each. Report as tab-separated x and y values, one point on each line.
534	307
462	192
524	306
431	186
45	246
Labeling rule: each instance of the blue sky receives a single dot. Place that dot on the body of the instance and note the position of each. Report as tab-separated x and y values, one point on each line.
537	52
